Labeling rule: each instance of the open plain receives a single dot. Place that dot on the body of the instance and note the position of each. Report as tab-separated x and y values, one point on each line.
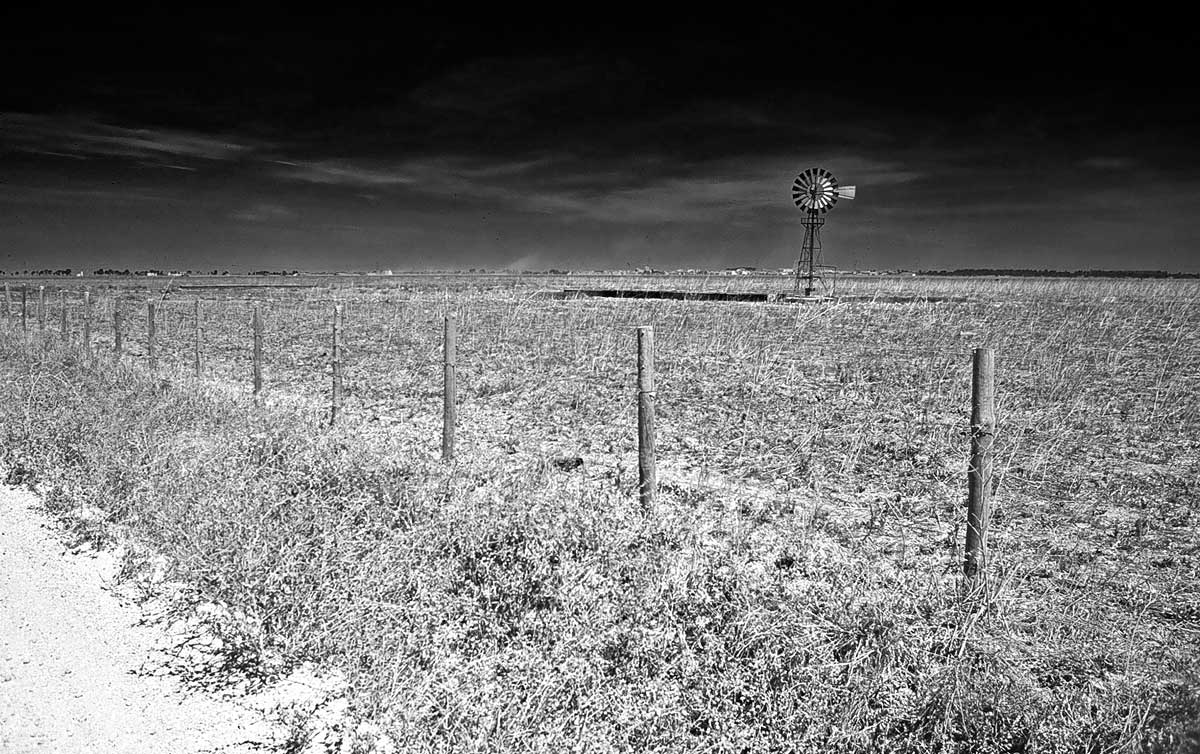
796	585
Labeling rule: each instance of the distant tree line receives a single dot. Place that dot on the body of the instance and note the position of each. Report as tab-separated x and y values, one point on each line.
143	273
41	273
988	271
105	271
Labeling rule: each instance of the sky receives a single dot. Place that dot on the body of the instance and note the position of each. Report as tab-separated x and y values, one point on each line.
602	136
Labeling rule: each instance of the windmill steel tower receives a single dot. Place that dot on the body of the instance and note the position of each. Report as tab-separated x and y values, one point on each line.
815	191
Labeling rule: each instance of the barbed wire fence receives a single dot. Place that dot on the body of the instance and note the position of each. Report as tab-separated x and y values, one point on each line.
566	364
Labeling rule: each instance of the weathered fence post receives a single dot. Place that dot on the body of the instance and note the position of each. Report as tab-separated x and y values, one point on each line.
979	474
24	308
335	394
197	335
449	388
256	323
647	474
87	323
151	357
41	312
117	335
7	302
63	334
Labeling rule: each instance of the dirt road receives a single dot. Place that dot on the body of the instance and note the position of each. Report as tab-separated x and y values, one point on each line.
76	669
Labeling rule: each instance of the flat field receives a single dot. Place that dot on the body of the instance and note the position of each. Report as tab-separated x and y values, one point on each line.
796	586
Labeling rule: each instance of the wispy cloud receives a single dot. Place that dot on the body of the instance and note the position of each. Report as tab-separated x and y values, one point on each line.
631	191
435	175
341	173
719	191
712	190
84	197
83	137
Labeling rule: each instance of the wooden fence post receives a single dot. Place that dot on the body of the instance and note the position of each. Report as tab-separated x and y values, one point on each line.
151	357
647	473
41	311
63	334
24	308
197	335
979	474
449	388
7	302
335	394
87	323
117	335
256	324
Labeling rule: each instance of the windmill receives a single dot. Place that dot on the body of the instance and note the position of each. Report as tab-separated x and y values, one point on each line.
815	191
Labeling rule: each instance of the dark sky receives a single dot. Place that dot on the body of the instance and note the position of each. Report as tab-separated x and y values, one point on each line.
597	136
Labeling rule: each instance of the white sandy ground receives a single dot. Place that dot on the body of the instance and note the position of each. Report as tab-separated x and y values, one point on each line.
77	671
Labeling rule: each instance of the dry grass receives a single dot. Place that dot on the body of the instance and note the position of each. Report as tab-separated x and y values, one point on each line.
796	587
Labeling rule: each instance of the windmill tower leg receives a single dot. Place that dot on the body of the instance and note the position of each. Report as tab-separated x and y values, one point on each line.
811	252
804	262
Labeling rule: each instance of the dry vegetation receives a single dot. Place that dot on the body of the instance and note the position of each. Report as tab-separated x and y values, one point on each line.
796	587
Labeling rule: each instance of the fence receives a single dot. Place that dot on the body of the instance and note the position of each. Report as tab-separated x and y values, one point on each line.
176	329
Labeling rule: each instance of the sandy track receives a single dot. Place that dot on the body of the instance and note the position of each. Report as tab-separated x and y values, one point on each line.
76	669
